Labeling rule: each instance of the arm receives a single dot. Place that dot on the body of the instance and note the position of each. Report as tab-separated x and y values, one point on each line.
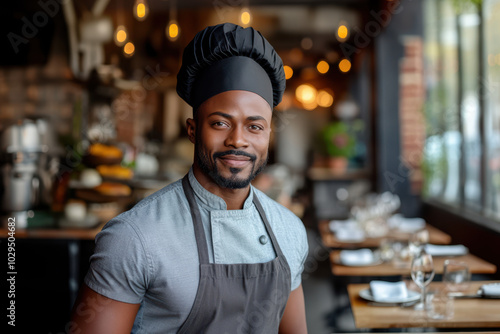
95	314
294	317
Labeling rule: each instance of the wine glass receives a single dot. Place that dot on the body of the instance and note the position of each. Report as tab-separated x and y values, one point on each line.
422	273
456	276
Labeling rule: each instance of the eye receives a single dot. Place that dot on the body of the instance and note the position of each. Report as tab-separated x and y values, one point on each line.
219	124
255	127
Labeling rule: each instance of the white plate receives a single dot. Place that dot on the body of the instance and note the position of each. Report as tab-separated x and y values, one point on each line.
412	296
376	261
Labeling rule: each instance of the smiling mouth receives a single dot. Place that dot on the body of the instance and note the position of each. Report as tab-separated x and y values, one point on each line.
235	161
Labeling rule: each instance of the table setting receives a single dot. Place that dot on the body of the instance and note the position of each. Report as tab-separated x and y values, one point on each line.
381	304
378	241
456	301
372	219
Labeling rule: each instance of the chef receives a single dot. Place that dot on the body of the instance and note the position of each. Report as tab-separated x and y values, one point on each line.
208	253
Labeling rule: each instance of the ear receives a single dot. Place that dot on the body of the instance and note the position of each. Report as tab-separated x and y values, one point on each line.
191	129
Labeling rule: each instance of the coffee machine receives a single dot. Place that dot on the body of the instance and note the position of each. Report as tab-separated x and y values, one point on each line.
23	180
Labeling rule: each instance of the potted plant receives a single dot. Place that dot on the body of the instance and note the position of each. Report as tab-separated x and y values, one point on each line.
339	145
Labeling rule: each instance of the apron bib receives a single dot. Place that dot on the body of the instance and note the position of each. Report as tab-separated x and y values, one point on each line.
236	298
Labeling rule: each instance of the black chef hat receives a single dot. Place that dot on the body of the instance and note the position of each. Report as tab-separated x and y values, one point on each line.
228	57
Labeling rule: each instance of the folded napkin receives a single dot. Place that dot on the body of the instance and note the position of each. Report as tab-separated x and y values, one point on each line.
358	257
446	250
491	290
340	224
388	291
407	225
350	234
411	225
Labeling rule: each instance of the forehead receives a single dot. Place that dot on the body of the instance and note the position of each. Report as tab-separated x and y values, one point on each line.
236	102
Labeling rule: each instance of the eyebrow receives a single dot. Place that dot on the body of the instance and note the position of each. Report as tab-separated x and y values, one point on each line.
250	118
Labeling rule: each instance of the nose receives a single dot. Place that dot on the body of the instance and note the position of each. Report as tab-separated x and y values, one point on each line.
236	138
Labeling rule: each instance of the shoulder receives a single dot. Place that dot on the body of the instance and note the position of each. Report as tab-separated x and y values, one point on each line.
161	205
151	219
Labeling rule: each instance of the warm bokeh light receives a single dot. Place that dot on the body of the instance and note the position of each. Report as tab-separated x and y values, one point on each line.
245	16
141	10
129	49
173	30
120	35
306	94
342	32
310	106
323	67
345	65
288	71
324	99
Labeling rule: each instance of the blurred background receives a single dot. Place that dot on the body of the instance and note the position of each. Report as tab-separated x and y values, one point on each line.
382	96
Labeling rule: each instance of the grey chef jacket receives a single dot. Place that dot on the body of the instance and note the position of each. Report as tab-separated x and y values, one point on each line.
148	255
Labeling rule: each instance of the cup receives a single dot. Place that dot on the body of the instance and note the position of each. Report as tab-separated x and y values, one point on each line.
439	304
456	276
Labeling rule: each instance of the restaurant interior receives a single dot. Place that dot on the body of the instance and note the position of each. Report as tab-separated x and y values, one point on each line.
384	145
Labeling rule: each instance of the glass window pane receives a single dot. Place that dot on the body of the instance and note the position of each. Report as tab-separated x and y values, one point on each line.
491	12
469	23
434	159
448	39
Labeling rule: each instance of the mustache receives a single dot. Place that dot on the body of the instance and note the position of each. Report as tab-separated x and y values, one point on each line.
235	152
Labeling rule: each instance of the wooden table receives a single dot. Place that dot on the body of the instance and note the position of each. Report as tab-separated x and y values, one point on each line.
436	236
469	313
476	266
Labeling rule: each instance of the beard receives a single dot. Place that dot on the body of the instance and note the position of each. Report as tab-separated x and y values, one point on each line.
209	167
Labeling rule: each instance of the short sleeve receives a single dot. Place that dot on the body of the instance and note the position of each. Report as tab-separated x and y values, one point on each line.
119	267
303	250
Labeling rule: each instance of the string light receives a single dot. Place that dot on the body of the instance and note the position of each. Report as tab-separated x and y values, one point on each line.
342	31
121	35
245	16
322	67
345	65
129	49
173	30
141	10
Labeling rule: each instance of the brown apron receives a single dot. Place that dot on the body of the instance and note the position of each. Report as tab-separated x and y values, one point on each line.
236	298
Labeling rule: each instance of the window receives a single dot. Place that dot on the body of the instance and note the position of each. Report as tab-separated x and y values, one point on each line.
462	60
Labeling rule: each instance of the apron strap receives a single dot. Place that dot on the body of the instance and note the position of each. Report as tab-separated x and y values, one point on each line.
269	230
201	241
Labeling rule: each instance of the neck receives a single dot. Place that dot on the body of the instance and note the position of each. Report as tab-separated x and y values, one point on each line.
234	198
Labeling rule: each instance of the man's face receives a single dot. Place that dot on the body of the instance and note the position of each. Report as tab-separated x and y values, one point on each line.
231	137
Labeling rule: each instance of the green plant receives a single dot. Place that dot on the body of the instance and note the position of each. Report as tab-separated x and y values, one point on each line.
337	140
